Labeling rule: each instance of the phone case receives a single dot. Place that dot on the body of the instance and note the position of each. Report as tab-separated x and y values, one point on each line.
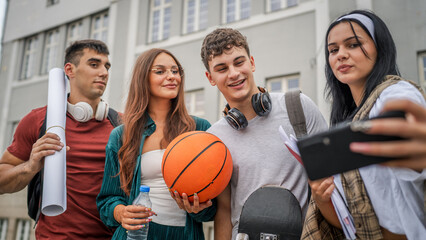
328	153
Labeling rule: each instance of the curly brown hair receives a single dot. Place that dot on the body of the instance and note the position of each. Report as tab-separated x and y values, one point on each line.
221	40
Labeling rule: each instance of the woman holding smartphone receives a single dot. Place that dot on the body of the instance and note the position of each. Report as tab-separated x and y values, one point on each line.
362	75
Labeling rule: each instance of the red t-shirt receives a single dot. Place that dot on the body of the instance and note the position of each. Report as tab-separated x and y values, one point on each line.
85	167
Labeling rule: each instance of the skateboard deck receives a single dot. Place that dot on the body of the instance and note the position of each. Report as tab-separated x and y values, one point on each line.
270	213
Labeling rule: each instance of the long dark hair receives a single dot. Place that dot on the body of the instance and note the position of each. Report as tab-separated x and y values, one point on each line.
136	115
343	105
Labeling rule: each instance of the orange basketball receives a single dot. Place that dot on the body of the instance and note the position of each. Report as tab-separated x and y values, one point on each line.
197	162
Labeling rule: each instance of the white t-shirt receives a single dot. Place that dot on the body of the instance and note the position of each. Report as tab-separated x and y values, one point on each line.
168	212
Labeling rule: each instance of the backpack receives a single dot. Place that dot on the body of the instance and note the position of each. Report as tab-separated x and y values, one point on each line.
35	187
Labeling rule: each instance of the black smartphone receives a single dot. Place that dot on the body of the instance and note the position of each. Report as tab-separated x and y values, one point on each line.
327	153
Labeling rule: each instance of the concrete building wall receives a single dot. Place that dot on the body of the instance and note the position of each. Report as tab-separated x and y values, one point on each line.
406	21
282	36
119	53
27	17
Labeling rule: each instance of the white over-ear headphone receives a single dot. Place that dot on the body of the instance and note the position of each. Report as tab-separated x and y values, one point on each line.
83	112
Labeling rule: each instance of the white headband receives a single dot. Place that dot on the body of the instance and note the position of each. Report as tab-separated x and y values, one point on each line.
364	20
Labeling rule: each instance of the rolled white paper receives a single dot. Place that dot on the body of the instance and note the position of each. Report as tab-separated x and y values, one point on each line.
54	198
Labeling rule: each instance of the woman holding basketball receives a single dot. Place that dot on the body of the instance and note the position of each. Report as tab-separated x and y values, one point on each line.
154	115
361	71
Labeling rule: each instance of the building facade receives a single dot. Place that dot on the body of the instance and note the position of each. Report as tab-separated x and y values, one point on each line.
286	39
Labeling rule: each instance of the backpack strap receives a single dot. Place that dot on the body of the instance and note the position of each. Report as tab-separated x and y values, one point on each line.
113	117
43	127
295	112
35	187
40	174
297	117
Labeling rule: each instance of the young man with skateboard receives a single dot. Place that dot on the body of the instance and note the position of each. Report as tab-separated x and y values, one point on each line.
250	129
87	132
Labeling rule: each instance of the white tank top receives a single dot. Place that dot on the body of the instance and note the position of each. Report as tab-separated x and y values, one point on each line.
168	212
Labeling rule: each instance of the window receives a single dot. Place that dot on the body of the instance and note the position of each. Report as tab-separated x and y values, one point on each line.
222	105
74	32
160	15
23	229
99	28
422	69
283	83
50	51
236	10
195	18
208	229
275	5
3	228
30	50
14	126
51	2
194	102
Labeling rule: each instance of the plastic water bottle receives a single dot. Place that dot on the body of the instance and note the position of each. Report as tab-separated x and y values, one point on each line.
142	200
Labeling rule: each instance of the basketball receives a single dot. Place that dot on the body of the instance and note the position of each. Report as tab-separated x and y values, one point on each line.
197	162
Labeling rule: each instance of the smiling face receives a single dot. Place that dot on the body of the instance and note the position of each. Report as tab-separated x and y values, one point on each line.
232	73
164	78
89	78
347	60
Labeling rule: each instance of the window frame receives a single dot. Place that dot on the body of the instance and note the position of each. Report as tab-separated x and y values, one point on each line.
50	51
283	5
284	80
4	222
163	33
28	69
198	22
422	68
237	11
14	126
222	105
50	3
23	229
78	36
102	30
191	98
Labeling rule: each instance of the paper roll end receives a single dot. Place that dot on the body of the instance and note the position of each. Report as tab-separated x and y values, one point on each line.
53	210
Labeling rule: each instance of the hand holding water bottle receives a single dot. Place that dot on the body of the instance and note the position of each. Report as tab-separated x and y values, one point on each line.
141	208
135	217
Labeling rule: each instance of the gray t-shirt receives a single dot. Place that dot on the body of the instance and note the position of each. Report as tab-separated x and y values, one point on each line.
260	157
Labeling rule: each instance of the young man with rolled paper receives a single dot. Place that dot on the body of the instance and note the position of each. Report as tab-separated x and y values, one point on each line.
87	131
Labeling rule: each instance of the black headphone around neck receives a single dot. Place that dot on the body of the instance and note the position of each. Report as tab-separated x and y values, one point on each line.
261	103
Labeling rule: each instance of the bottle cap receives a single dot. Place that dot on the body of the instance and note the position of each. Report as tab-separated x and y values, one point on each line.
144	188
